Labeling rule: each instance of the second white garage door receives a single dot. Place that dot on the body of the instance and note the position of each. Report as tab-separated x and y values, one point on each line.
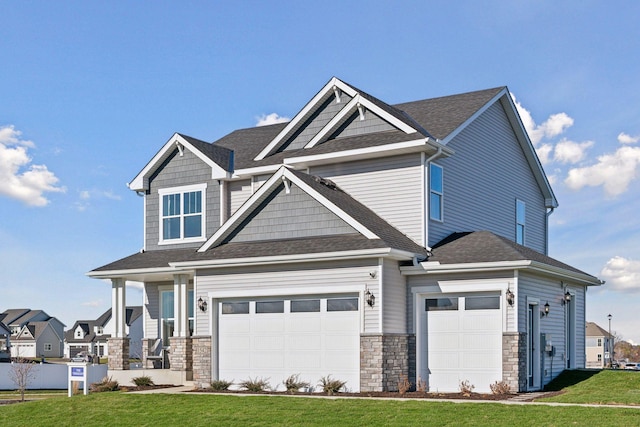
275	338
464	342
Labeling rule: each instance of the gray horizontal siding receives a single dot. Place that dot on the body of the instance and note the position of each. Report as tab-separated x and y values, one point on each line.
394	295
483	179
391	187
239	192
354	126
292	215
175	172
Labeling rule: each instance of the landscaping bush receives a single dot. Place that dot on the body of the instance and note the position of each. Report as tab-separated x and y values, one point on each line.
421	385
404	385
466	388
220	385
293	383
144	381
331	386
106	384
255	385
500	387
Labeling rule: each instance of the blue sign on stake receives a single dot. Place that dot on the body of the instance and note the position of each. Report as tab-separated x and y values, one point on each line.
77	371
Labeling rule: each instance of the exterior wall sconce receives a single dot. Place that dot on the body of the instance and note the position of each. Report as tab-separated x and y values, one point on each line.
510	297
202	304
370	298
566	299
546	309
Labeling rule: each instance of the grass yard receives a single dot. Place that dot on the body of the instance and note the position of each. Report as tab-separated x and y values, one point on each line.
126	409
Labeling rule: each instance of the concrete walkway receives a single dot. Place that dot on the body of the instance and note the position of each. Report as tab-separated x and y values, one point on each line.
520	399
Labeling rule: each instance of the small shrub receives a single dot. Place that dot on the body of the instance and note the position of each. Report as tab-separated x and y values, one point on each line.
221	385
500	387
255	385
404	385
331	386
106	384
421	385
466	388
144	381
293	383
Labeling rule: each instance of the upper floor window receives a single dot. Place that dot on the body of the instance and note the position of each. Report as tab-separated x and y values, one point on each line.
182	214
520	221
599	342
79	333
99	330
436	194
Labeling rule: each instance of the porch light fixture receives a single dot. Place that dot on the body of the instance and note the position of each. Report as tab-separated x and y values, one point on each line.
546	309
510	297
566	298
202	304
370	298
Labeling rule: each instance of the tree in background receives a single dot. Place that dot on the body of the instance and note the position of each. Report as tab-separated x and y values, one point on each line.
21	373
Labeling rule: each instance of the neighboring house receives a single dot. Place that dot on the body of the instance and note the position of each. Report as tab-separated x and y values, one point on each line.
33	333
92	335
599	344
360	240
5	338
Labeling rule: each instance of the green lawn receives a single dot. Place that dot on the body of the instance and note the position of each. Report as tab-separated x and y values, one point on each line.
125	409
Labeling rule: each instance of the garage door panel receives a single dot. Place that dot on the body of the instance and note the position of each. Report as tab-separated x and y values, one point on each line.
268	324
268	360
236	359
304	342
304	359
297	323
268	342
463	345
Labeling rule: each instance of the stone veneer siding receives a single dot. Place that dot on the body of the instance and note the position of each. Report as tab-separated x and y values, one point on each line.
181	354
384	360
514	360
118	354
202	348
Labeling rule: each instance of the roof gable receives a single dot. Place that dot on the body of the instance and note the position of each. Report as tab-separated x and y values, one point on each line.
219	158
325	115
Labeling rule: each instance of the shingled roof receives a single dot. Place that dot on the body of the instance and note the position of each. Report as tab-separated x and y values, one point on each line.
486	247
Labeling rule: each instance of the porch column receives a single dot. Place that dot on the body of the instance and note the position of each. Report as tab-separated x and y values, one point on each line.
181	353
119	342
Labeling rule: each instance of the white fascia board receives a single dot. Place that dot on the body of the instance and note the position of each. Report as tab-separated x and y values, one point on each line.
307	108
433	268
112	274
298	258
139	183
352	106
260	170
416	146
474	116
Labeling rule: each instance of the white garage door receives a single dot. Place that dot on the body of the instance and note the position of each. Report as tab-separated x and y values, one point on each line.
464	342
276	338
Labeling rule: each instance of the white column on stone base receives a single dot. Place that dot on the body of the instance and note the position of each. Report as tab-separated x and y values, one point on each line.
180	313
118	307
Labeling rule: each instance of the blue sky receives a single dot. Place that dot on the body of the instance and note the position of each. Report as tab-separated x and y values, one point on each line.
89	91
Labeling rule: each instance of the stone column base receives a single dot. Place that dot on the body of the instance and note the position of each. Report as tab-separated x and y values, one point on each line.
118	353
514	360
384	361
202	353
180	354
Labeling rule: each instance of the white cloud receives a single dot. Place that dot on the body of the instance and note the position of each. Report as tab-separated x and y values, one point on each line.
623	138
622	274
95	303
613	171
87	195
544	153
27	185
271	119
571	152
555	125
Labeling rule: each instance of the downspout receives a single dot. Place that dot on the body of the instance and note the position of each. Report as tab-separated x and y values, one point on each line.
546	240
425	193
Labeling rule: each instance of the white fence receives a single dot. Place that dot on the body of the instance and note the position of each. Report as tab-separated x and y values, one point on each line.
48	376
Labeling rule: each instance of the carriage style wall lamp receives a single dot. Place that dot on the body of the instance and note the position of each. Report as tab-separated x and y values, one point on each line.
566	298
510	297
202	304
546	309
370	298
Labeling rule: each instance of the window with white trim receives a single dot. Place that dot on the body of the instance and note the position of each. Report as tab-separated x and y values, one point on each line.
436	193
48	347
182	214
520	221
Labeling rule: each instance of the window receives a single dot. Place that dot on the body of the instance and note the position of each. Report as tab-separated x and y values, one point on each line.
270	307
235	307
482	303
435	192
305	306
342	304
167	319
182	214
520	221
599	358
79	333
599	342
48	347
99	330
439	304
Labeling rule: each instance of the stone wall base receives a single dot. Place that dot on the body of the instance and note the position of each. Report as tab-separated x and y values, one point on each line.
202	351
514	360
118	353
384	361
181	354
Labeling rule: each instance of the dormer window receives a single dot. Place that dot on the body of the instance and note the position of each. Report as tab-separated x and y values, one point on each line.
99	330
182	217
79	333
